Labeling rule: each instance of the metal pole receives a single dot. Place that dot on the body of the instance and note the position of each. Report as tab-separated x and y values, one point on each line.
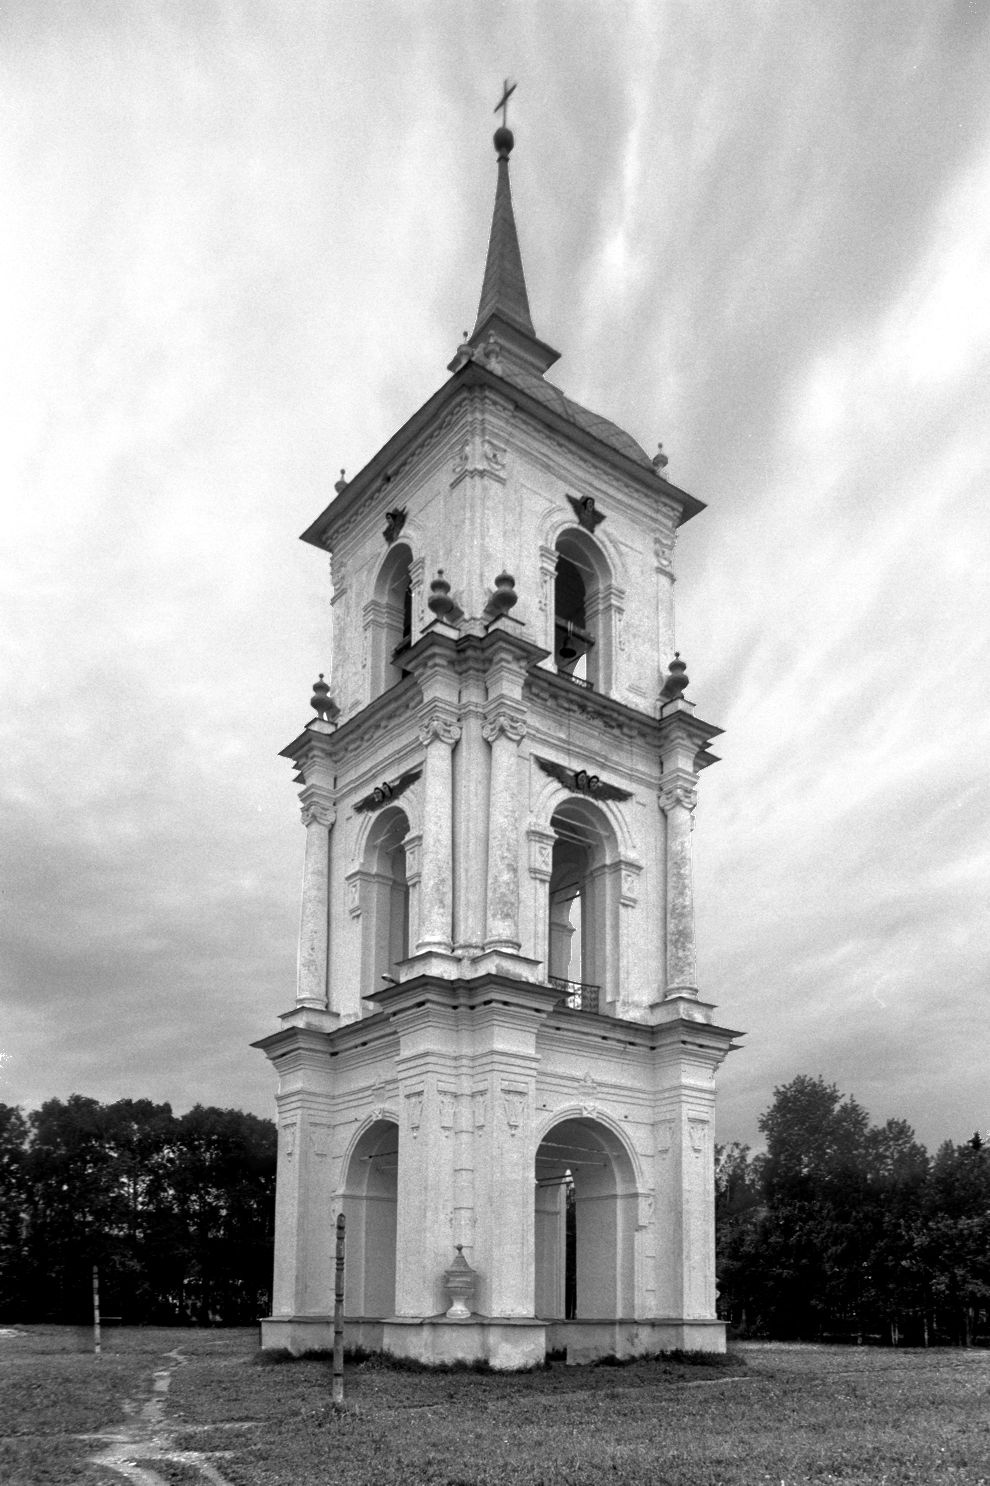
338	1318
96	1310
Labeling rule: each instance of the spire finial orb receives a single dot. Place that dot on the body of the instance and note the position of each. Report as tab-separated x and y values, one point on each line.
503	139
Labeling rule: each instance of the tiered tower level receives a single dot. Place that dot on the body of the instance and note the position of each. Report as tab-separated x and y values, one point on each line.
498	1048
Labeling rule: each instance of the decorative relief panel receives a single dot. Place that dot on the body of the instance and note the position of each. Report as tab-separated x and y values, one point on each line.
665	1137
698	1135
414	1111
479	1099
319	1139
513	1106
287	1135
447	1100
663	551
645	1204
540	853
354	896
629	891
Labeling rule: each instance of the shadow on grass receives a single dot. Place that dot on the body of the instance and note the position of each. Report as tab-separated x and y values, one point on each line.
369	1361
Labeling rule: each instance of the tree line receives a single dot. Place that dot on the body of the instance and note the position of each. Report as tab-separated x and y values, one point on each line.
838	1229
842	1229
176	1211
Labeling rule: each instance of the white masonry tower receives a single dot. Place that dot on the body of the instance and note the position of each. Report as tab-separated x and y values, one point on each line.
499	1067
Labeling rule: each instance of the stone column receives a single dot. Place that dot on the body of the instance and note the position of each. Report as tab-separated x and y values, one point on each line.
470	825
678	796
314	919
503	730
316	769
438	733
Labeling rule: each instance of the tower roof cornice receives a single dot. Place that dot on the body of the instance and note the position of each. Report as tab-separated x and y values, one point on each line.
585	433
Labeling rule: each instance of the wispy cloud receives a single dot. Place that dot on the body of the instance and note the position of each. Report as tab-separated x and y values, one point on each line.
239	248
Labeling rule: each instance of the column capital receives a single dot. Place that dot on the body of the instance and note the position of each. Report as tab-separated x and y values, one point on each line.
438	722
678	790
317	805
501	717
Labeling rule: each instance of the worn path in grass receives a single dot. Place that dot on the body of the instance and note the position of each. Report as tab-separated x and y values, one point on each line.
67	1416
185	1407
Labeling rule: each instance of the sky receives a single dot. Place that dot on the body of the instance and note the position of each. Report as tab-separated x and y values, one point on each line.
238	246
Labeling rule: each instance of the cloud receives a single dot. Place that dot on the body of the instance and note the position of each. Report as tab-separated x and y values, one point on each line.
240	247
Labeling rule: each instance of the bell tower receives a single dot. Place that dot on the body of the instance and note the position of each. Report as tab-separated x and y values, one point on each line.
499	1065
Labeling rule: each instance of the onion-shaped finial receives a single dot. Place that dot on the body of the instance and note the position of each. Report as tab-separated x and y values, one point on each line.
505	597
677	679
322	703
340	484
503	141
440	600
660	460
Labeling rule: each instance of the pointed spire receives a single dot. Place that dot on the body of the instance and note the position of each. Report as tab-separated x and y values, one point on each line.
504	289
504	327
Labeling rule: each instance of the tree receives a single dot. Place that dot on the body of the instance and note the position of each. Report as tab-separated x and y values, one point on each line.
833	1236
176	1212
14	1191
957	1239
739	1212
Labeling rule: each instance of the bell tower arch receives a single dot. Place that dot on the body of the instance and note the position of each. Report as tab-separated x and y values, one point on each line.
499	1048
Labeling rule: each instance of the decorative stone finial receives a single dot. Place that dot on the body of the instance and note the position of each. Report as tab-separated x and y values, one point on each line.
322	703
660	460
462	355
677	679
459	1284
505	597
340	484
491	354
440	600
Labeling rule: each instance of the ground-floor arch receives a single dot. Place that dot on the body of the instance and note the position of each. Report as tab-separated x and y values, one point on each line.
585	1223
370	1207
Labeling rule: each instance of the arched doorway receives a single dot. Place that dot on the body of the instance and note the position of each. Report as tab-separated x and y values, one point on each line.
585	1223
369	1206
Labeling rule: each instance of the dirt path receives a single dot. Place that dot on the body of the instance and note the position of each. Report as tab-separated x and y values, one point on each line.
146	1438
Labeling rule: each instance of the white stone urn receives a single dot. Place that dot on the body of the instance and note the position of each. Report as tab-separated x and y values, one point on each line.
459	1284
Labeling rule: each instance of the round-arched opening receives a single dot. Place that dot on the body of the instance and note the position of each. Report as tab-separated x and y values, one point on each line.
582	636
580	929
585	1223
369	1207
386	898
392	617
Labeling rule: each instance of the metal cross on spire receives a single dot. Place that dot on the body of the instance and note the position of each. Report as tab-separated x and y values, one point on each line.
503	102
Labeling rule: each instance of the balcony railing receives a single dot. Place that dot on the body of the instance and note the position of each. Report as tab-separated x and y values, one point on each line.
577	680
576	994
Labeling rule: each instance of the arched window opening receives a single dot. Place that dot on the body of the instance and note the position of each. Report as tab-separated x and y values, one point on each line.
579	939
386	899
369	1205
398	910
582	638
585	1222
390	619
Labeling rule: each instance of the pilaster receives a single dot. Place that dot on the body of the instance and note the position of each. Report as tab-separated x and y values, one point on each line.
683	748
303	1270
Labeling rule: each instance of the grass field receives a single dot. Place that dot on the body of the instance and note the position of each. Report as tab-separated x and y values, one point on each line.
186	1407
